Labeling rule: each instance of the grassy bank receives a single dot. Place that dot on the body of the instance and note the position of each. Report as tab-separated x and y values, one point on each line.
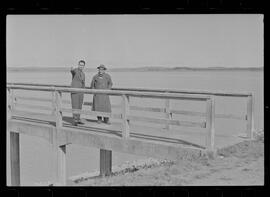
240	164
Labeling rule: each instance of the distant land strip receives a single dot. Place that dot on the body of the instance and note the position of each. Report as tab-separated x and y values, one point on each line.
138	69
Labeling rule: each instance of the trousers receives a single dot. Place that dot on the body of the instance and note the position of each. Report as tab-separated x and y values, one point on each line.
76	102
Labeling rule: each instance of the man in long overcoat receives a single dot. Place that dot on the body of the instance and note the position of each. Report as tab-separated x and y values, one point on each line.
78	81
101	102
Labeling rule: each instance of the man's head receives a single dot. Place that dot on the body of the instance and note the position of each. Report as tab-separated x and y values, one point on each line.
101	69
81	64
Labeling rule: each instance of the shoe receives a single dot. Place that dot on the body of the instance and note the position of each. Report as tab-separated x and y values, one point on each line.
107	123
75	124
79	122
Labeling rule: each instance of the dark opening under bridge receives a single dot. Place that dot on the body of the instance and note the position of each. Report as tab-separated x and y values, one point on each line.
122	135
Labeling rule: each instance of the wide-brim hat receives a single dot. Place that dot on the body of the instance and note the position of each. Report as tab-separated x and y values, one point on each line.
101	66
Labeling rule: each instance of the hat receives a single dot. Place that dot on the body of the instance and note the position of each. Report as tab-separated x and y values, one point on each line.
101	66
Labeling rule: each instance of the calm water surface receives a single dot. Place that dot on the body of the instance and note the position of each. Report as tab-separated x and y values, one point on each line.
36	154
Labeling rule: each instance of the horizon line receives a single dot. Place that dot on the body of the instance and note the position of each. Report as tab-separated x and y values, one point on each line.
166	67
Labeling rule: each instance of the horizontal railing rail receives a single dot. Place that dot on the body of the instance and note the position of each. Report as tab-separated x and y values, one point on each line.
113	92
202	92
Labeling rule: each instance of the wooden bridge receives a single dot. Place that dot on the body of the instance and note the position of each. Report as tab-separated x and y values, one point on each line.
122	135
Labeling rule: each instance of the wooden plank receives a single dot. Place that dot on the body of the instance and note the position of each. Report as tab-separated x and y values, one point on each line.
202	114
210	124
33	99
139	108
188	113
15	158
202	92
188	123
115	92
125	114
20	105
94	113
150	109
164	121
38	84
105	162
32	115
230	116
69	102
250	116
87	103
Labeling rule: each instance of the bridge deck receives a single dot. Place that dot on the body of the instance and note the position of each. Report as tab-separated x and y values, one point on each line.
184	137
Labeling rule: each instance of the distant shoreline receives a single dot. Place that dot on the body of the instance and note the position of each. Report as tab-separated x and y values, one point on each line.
139	69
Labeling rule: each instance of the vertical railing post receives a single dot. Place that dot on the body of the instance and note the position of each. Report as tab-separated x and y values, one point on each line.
210	123
58	106
59	152
250	116
15	158
11	102
53	103
125	114
168	113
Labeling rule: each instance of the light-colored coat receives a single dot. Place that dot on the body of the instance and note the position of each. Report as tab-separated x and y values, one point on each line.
101	102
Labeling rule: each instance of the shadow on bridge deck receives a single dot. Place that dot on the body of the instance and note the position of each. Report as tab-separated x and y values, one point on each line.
138	132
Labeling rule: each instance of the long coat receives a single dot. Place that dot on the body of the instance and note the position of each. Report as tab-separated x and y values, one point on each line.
78	81
101	102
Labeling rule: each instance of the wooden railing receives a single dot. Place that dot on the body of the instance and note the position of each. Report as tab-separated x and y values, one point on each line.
249	117
56	108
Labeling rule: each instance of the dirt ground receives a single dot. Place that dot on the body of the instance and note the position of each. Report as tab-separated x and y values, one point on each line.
241	164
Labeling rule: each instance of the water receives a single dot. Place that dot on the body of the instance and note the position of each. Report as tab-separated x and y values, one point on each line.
81	159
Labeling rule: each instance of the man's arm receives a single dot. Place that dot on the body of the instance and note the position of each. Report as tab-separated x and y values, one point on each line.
72	70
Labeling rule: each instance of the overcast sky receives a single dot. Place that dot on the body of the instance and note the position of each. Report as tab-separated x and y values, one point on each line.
135	40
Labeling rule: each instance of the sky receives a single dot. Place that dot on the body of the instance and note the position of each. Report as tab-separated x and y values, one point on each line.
202	40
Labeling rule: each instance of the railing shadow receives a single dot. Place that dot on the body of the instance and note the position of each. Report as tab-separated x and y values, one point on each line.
34	120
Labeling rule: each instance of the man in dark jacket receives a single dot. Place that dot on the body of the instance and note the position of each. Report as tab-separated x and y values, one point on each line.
78	81
101	102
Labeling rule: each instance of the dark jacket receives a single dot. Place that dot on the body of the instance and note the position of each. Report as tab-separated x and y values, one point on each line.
78	78
78	81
